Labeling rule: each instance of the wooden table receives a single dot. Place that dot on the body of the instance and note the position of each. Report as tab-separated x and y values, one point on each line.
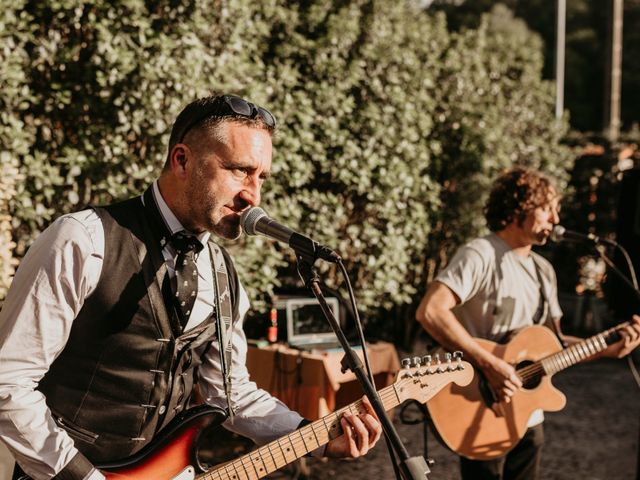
311	382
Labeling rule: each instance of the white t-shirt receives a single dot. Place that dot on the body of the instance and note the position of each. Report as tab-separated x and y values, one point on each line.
500	291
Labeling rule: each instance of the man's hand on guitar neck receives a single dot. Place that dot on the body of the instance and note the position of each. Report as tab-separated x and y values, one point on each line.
629	341
361	432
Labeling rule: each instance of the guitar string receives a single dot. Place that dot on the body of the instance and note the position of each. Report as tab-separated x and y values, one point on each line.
570	355
563	359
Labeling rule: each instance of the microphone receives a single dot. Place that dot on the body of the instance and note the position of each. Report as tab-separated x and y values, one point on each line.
560	234
255	221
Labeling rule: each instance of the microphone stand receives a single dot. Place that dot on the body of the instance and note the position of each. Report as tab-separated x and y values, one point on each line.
634	288
412	468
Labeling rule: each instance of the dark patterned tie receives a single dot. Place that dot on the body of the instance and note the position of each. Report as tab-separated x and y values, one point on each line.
186	273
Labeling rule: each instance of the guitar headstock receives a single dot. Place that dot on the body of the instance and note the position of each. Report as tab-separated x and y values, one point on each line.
422	377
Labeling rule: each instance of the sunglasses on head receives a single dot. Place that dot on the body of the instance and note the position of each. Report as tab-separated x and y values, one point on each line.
232	106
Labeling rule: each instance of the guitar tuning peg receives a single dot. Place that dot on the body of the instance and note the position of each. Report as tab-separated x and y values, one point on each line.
406	363
439	368
457	355
426	361
447	357
417	361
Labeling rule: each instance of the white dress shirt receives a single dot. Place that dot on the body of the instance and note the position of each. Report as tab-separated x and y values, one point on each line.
61	270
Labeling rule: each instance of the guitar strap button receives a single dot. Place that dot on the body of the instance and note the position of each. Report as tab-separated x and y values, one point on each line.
162	409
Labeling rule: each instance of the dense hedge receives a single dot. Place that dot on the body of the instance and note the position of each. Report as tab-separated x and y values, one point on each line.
390	126
15	139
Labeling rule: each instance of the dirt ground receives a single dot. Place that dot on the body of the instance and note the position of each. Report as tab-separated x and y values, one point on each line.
595	437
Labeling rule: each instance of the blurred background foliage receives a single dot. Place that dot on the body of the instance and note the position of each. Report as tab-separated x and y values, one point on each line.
587	30
392	123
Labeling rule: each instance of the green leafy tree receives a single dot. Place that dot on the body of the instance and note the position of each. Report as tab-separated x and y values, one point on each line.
390	126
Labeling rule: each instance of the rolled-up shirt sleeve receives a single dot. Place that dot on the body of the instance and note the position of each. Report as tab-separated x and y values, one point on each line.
59	271
257	414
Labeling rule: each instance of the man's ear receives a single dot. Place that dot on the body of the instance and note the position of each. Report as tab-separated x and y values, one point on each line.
179	158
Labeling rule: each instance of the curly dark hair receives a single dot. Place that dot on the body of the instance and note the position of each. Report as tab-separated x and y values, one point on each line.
515	193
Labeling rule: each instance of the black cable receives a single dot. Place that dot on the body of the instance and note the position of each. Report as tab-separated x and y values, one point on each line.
280	378
632	283
406	419
356	316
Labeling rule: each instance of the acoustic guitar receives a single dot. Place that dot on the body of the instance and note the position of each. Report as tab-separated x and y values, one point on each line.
172	454
463	415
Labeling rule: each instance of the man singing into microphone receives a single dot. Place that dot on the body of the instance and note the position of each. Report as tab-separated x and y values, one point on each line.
116	313
495	285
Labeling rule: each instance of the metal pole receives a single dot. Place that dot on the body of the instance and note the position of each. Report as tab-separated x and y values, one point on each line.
561	17
613	124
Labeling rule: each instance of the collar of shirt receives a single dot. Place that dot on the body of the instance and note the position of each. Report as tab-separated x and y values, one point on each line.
170	219
205	298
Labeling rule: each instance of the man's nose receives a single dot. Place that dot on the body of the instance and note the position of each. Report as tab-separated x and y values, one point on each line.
251	191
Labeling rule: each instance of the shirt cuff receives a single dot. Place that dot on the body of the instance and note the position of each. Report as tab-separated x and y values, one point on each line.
79	468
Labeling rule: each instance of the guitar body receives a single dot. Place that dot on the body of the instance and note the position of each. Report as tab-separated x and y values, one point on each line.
463	417
171	456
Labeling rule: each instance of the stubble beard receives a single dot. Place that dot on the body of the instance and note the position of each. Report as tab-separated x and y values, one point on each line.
208	208
227	227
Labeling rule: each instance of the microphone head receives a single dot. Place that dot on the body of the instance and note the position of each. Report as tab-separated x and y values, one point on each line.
557	233
249	218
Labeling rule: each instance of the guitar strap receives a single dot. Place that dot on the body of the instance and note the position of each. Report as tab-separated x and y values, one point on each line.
224	319
543	306
539	314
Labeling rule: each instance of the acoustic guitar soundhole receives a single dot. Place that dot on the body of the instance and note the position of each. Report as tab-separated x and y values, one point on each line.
530	376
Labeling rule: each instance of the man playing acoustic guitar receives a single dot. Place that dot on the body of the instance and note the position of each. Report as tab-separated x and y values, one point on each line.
116	313
493	287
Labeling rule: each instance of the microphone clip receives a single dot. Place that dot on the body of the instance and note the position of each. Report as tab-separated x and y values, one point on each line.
310	250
